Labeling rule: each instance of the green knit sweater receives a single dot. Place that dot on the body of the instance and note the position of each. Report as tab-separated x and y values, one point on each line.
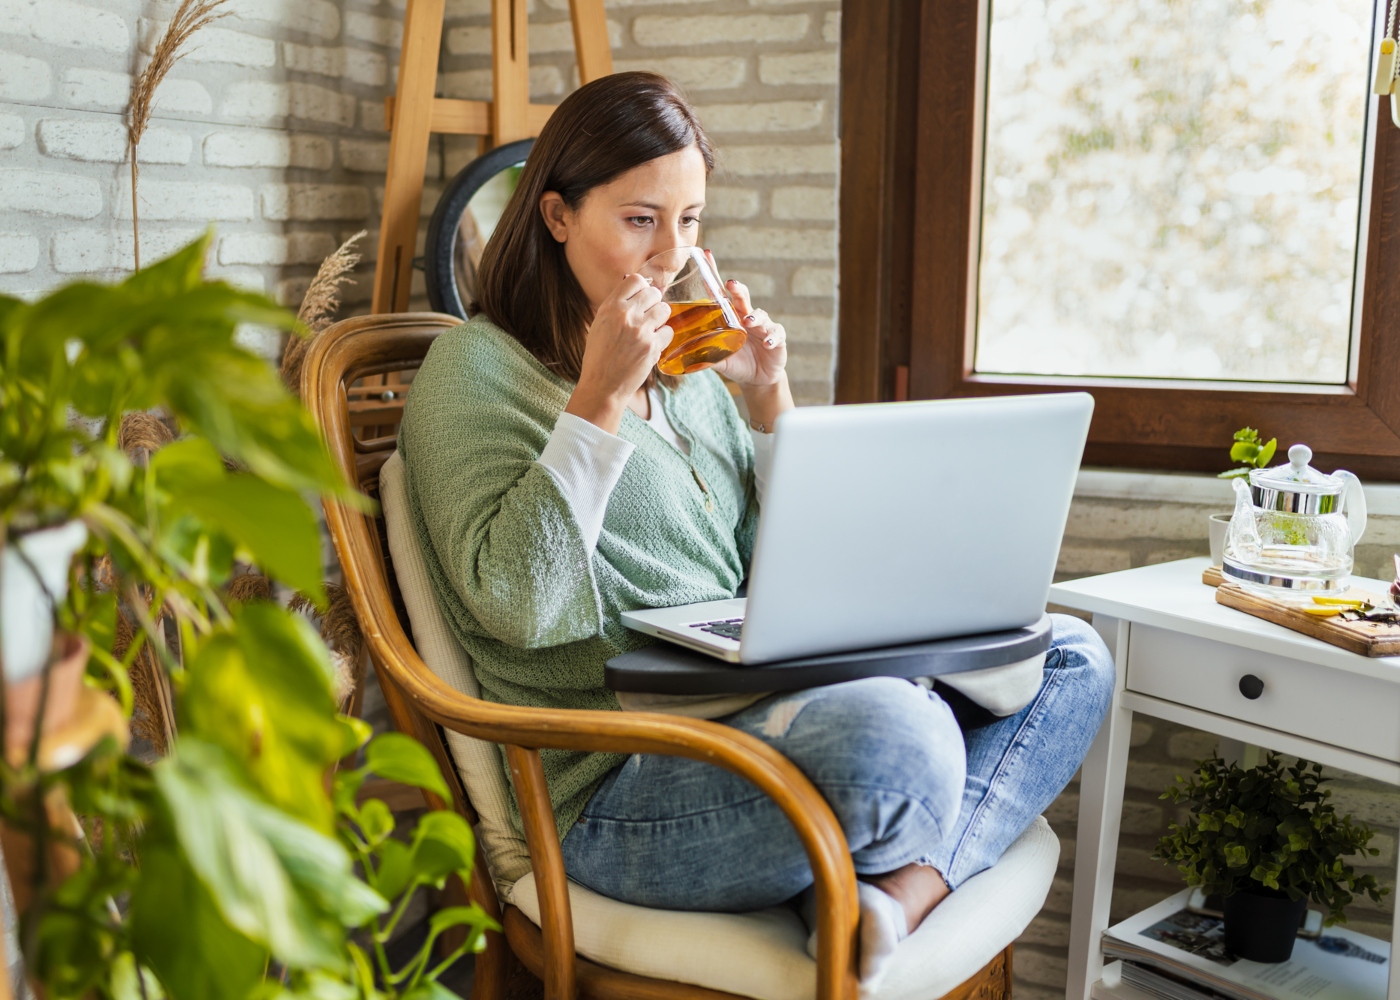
507	560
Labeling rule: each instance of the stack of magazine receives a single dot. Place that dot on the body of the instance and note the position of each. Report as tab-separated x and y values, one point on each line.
1176	952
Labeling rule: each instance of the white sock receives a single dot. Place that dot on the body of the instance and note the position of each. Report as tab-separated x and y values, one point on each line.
882	926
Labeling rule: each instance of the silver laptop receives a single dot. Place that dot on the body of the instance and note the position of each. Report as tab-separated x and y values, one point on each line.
892	523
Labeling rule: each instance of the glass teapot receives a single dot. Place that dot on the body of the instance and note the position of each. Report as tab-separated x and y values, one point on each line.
1294	528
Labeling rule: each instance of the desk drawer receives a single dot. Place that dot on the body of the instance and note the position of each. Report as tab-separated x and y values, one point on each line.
1320	703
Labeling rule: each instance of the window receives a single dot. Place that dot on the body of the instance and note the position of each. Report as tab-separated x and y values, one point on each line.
1164	202
1171	188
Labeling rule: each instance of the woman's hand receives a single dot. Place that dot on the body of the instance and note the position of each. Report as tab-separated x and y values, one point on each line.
624	342
760	366
763	358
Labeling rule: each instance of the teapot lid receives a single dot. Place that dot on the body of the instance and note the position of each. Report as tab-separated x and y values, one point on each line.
1297	475
1296	487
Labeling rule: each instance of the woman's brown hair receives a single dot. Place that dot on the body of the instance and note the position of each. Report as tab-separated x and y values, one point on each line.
601	130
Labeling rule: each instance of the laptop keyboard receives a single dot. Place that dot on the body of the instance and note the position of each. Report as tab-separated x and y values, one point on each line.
726	628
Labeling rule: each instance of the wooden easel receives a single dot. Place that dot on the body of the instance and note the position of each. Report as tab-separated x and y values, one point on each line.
413	114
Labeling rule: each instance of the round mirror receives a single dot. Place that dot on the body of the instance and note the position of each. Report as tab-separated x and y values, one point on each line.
463	221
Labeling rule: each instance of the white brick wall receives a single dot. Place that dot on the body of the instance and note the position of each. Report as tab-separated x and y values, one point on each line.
23	78
270	248
39	192
19	252
719	29
106	142
271	131
763	75
246	136
11	131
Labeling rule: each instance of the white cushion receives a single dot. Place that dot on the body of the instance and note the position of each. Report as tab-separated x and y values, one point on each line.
478	762
763	955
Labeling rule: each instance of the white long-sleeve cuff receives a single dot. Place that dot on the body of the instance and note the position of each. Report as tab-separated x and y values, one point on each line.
586	463
762	460
1004	690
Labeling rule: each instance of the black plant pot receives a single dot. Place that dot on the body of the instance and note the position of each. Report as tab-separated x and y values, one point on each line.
1262	925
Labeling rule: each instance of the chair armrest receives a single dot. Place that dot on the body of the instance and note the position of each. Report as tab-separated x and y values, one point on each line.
631	732
525	730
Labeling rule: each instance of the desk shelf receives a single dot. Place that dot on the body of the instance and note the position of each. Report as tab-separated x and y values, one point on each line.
1111	986
1179	656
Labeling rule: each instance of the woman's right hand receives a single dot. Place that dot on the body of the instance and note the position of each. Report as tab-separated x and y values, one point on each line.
623	344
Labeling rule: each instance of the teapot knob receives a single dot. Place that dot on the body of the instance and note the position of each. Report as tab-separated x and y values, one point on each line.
1299	456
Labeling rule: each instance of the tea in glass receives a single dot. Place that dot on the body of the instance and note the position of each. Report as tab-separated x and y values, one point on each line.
705	326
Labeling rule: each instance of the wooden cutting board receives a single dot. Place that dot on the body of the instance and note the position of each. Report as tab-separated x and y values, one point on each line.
1366	638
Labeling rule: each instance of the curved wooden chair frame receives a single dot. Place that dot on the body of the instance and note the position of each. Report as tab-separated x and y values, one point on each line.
371	346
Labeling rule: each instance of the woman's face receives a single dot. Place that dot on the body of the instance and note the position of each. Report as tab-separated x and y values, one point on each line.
618	226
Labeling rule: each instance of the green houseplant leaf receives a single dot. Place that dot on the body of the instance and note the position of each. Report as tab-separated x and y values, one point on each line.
1251	451
402	758
178	932
262	691
274	525
275	880
1269	827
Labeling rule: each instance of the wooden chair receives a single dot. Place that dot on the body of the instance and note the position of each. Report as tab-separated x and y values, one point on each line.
438	713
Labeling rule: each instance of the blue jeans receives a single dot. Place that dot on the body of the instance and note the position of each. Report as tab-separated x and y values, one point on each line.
912	775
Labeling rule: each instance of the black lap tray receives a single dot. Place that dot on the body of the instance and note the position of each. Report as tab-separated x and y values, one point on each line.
665	668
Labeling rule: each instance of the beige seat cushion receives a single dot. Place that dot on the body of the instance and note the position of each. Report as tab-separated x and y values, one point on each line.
478	762
763	955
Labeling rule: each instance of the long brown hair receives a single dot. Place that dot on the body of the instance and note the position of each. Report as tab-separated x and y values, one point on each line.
605	128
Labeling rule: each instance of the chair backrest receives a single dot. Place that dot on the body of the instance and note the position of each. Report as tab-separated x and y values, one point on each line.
355	379
479	763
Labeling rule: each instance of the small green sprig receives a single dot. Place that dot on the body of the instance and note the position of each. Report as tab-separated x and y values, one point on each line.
1269	827
1251	452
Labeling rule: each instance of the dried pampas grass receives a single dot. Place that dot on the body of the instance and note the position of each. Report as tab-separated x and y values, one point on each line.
191	17
319	306
322	298
153	714
248	587
340	629
143	432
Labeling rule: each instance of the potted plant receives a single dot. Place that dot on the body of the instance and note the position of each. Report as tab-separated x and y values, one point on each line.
1252	452
1267	840
244	861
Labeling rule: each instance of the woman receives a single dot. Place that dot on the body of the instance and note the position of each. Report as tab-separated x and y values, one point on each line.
556	480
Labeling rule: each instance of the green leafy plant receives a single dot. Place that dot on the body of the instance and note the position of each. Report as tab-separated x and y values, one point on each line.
1267	828
441	846
236	866
1251	452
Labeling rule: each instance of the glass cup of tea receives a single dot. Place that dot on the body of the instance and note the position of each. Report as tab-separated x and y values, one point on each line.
705	327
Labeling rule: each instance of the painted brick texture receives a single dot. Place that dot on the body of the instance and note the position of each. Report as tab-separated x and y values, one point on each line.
271	131
244	138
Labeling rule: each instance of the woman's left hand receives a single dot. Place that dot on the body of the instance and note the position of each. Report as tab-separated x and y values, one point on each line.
763	358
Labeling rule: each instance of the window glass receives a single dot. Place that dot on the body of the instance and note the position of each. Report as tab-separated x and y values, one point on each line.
1171	188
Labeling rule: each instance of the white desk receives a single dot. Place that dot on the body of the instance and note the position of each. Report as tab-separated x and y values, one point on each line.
1180	657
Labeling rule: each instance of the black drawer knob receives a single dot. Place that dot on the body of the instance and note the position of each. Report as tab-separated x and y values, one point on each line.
1251	687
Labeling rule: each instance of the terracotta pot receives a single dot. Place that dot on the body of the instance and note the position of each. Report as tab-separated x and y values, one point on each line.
21	857
65	690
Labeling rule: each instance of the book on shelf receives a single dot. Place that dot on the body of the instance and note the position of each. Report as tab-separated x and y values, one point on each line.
1174	953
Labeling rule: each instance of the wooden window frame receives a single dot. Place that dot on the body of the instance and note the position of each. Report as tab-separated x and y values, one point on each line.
911	108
